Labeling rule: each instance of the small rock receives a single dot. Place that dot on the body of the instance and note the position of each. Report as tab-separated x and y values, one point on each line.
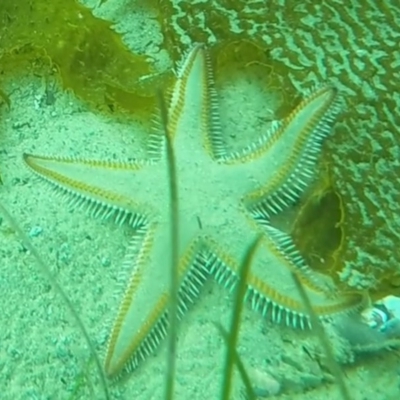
264	384
35	231
105	261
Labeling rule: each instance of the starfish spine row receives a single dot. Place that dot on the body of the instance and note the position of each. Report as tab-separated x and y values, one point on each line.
304	130
155	326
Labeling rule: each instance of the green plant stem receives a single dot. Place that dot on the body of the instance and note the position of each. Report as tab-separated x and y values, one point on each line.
320	332
237	311
250	395
174	236
46	271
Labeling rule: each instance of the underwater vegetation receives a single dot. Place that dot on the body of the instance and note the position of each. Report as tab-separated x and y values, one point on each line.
90	59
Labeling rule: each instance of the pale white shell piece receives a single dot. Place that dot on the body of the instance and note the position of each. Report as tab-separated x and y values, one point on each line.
374	317
392	304
378	317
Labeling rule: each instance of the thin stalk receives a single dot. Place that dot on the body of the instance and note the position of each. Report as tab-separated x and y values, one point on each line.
250	395
237	311
174	236
46	271
320	332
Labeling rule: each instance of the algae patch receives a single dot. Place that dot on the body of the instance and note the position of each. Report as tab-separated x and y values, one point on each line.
91	58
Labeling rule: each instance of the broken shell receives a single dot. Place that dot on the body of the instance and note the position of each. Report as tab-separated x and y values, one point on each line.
374	317
382	313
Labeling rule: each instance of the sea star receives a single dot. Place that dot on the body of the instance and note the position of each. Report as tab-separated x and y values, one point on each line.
226	200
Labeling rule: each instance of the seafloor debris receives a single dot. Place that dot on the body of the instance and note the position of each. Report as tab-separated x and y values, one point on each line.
375	329
384	315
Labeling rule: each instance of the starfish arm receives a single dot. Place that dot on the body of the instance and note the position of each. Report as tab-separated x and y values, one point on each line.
287	155
270	287
142	320
193	110
215	142
104	187
139	315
